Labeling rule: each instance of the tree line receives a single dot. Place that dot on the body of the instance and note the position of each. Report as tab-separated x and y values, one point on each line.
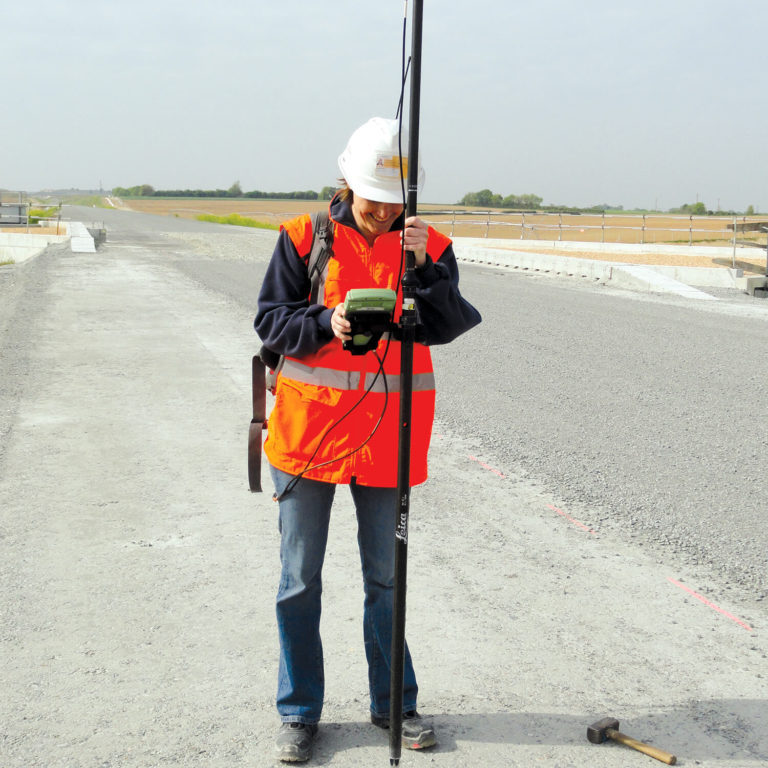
235	191
485	198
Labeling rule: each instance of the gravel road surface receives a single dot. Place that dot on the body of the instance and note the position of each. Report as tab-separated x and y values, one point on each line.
590	543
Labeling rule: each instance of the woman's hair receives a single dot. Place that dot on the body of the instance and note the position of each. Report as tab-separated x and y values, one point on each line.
345	193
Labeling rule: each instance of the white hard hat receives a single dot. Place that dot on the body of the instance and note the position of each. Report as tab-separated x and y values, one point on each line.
370	164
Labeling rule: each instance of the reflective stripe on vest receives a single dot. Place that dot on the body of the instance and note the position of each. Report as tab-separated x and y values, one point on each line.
351	380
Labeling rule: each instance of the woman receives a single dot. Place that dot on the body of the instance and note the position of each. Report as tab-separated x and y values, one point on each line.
336	418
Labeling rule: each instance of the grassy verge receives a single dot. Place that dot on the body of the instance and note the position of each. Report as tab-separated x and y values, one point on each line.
91	201
7	262
237	220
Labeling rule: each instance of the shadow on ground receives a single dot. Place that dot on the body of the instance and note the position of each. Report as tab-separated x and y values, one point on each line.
701	730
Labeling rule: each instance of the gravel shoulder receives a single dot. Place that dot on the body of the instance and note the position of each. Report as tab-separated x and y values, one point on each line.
138	572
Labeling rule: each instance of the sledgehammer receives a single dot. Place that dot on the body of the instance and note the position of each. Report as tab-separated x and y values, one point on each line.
608	728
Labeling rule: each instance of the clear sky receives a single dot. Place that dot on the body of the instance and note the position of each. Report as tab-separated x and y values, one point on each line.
648	104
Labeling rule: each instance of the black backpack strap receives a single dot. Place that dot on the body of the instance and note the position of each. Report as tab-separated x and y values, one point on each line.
258	423
317	262
321	251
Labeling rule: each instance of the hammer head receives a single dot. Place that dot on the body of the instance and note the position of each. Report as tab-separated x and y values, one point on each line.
596	732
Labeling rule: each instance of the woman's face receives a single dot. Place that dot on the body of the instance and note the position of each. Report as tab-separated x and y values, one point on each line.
374	219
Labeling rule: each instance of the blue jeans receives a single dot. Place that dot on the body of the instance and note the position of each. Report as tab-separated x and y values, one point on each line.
304	517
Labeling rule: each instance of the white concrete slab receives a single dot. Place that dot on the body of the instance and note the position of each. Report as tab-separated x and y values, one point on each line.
20	246
642	278
82	240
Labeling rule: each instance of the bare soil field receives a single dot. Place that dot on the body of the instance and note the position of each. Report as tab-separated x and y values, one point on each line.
459	221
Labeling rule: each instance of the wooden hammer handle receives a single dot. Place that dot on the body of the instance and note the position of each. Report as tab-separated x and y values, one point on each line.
646	749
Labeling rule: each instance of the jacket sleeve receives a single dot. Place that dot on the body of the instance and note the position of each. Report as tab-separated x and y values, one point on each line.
285	320
443	312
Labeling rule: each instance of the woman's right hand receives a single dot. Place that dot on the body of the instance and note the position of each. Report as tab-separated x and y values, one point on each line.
340	325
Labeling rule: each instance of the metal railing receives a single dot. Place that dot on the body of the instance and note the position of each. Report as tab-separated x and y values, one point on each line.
604	228
17	214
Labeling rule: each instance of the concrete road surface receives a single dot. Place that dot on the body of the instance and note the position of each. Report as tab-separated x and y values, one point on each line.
138	573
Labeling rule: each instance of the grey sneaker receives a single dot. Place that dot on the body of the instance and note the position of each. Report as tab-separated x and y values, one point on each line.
416	733
294	742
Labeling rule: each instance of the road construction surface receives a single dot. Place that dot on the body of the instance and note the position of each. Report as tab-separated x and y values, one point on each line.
591	541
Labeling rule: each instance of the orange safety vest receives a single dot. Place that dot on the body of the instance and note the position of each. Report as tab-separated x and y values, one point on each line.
321	414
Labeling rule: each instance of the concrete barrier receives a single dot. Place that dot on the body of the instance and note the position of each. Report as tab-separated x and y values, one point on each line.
652	278
612	248
534	262
752	283
99	234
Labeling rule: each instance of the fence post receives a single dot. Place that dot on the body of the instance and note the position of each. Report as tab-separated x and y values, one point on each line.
522	226
642	232
690	232
733	258
603	228
453	222
560	227
488	224
765	229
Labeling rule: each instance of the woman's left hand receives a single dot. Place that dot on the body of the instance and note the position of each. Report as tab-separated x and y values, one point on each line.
415	237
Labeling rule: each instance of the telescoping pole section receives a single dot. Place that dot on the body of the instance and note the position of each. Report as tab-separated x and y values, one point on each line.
408	331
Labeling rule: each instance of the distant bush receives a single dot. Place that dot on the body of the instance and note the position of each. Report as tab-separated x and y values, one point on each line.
35	214
487	199
693	209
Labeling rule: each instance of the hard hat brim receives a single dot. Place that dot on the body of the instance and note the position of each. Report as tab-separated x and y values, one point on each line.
376	194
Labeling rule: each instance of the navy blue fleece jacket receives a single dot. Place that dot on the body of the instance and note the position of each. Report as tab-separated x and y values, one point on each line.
289	325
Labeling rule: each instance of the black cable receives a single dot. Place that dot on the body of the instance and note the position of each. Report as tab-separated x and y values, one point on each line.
404	68
309	466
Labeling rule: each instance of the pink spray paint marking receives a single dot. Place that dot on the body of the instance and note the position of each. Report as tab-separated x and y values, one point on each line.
488	467
711	605
572	520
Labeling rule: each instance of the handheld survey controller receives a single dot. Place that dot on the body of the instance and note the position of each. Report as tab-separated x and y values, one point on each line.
369	312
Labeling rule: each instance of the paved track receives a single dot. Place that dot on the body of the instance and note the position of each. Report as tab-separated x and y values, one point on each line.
645	408
589	543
